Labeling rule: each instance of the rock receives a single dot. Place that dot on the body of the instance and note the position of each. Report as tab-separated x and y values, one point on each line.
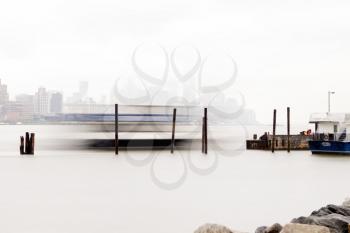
336	218
213	228
332	209
275	228
346	202
261	229
302	228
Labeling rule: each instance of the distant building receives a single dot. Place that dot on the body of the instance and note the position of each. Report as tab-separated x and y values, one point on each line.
26	104
12	111
4	96
41	102
56	102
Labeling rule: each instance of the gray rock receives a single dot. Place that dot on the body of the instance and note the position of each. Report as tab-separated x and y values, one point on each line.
302	228
336	218
261	229
335	222
275	228
213	228
332	209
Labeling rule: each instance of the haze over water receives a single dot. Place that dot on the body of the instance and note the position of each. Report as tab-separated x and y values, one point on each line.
96	191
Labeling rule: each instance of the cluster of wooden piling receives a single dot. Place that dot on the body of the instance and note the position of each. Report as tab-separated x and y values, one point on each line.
172	145
27	144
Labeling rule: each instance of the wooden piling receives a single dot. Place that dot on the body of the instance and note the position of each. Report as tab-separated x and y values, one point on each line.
116	122
21	147
205	130
288	129
32	143
203	135
273	131
173	131
27	144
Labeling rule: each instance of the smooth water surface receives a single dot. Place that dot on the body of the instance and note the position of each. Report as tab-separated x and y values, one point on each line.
96	191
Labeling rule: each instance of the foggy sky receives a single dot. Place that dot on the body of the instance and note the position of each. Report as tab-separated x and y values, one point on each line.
288	53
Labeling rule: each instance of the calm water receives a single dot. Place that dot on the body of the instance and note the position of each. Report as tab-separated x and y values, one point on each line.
95	191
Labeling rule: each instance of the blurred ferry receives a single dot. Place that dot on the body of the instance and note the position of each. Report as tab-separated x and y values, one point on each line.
330	133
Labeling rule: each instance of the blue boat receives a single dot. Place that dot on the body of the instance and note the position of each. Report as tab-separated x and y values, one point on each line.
330	133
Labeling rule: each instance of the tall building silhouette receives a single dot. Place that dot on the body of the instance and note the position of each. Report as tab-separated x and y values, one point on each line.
56	102
4	96
41	101
25	103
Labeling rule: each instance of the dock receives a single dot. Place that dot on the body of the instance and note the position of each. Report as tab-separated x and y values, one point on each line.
297	142
128	127
275	141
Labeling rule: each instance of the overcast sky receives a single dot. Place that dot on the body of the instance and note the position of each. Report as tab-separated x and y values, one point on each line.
288	53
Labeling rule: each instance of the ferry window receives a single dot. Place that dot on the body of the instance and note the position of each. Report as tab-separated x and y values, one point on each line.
335	128
322	137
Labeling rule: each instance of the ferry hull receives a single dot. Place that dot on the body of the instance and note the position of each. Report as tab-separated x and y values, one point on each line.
329	147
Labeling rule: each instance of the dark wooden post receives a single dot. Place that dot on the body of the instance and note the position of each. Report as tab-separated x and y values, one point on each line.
273	131
288	129
116	122
27	144
205	130
203	134
32	143
173	131
21	147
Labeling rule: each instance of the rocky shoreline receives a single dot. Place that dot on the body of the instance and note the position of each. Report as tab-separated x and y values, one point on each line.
328	219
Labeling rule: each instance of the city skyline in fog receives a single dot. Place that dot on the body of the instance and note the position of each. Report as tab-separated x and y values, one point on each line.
284	56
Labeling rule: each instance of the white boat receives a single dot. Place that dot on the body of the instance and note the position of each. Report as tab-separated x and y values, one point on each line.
330	133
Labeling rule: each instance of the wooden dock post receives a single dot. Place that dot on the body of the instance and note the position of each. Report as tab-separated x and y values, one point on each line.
32	144
173	131
203	134
273	131
205	130
116	122
21	147
288	129
26	143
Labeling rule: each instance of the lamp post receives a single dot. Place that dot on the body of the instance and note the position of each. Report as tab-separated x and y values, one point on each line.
329	100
